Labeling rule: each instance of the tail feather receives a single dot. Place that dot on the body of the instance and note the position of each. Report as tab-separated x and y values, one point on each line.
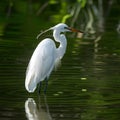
30	83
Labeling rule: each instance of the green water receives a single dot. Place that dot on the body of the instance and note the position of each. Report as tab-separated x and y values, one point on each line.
85	87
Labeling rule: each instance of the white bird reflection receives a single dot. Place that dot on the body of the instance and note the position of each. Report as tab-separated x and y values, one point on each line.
33	112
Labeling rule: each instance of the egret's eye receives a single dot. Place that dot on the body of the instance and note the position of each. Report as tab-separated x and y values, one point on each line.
66	28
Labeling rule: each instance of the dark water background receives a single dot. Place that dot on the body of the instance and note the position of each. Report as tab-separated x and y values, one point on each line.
85	87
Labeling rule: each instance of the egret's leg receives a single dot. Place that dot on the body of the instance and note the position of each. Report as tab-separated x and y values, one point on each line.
39	87
46	85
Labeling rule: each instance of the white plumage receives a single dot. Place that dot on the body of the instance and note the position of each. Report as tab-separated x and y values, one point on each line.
41	64
46	56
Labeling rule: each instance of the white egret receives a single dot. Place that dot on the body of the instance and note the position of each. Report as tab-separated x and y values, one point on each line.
46	56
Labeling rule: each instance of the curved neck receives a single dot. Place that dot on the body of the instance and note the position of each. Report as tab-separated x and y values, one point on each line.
63	43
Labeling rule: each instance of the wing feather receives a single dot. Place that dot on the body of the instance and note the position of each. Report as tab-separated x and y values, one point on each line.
41	64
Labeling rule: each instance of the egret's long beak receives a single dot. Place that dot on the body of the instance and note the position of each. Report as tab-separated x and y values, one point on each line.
74	30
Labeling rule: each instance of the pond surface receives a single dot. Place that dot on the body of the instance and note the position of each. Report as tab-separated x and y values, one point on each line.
85	87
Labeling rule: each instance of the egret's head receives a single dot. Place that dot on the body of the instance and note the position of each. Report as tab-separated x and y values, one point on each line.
61	27
64	28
